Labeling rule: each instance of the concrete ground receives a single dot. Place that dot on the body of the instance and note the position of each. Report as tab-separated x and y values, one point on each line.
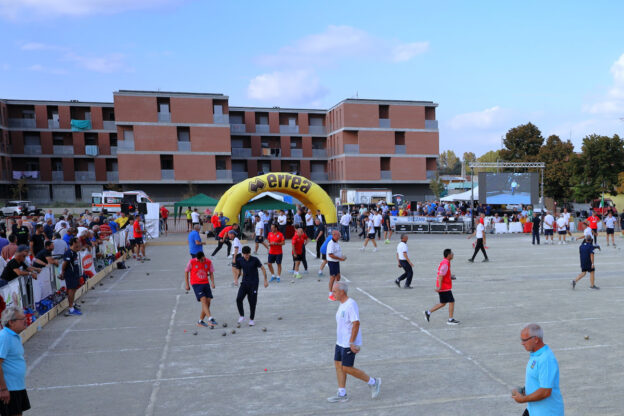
135	352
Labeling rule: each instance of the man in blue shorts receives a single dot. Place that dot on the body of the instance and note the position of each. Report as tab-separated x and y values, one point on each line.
199	268
586	251
194	241
70	273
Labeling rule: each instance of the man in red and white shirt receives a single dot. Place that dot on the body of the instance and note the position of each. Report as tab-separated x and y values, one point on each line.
298	243
444	286
139	244
593	225
164	215
199	268
276	241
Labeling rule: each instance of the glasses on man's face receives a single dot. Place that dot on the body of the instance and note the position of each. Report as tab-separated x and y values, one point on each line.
526	339
19	319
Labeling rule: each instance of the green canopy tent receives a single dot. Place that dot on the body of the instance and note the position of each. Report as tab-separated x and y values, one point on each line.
266	202
199	200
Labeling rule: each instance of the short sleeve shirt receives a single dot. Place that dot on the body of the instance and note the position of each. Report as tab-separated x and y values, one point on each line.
610	222
237	244
347	314
13	364
194	248
73	268
43	255
250	269
585	251
402	250
260	228
275	237
549	222
542	371
333	247
199	271
8	273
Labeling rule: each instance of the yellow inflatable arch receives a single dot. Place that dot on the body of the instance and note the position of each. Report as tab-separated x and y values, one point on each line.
306	191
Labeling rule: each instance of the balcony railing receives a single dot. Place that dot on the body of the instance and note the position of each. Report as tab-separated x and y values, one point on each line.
63	150
109	125
164	117
113	150
352	148
241	152
53	124
125	145
431	174
167	174
239	176
317	129
431	124
91	150
262	128
319	176
32	149
27	123
400	149
84	176
184	146
58	176
28	175
271	152
296	152
386	175
112	177
237	128
224	174
221	119
384	123
289	129
319	152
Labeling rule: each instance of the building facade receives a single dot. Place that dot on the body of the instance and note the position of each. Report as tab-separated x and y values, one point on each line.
166	143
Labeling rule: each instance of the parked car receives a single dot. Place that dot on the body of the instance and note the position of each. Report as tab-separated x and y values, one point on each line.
13	208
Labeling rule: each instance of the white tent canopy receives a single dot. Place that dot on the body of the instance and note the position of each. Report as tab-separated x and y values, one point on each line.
464	196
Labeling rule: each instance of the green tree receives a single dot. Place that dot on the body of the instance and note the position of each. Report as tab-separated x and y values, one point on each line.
20	188
597	168
558	157
522	143
437	187
490	157
449	163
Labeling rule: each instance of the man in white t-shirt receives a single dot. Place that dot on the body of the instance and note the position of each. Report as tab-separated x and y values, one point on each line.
345	225
281	222
480	234
309	220
334	257
549	225
195	217
260	234
377	220
370	233
566	216
348	344
405	263
610	222
561	229
237	250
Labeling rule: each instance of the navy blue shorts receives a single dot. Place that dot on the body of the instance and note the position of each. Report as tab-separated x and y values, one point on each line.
259	239
548	232
202	290
344	355
275	258
446	297
334	268
71	281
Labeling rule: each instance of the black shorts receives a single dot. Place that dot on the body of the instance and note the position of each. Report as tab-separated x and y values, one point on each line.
324	256
610	231
189	221
446	297
238	256
334	268
72	282
275	258
371	236
588	269
344	355
259	239
138	241
548	232
297	257
202	290
385	227
564	232
18	403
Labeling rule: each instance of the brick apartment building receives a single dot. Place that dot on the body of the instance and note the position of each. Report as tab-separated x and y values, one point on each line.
161	142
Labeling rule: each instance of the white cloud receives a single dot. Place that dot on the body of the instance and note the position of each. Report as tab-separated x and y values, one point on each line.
287	87
20	9
407	51
613	102
113	62
482	120
44	69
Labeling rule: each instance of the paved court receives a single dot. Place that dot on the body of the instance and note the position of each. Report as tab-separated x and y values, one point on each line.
134	351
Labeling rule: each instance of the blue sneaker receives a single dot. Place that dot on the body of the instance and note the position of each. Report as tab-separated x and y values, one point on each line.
278	280
273	278
75	312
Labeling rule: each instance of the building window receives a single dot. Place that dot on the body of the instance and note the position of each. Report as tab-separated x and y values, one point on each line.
166	162
184	134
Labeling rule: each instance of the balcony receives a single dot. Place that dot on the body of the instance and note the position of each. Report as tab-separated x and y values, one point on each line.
164	117
85	176
63	150
112	177
28	175
53	124
319	176
431	174
262	128
400	149
113	150
431	124
317	130
271	152
386	175
58	176
238	176
289	129
296	153
237	128
384	123
167	174
32	149
221	119
125	145
184	146
24	123
91	150
224	174
352	148
109	125
241	152
319	152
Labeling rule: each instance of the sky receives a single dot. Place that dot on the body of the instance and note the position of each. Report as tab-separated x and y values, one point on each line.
490	65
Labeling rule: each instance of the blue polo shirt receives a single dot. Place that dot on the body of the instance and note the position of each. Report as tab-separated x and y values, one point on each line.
586	250
13	364
542	371
194	248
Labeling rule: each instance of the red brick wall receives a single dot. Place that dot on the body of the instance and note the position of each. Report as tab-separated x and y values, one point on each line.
17	142
41	116
64	117
273	122
97	118
250	121
210	139
407	117
46	142
68	169
421	143
194	167
252	168
100	169
276	165
285	145
304	167
362	168
134	167
104	143
154	137
306	143
135	108
359	115
374	142
408	168
45	168
303	123
79	143
432	163
191	110
256	145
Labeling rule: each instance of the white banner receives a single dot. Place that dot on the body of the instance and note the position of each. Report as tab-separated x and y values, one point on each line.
11	294
42	286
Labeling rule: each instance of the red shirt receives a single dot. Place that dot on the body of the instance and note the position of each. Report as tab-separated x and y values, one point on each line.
276	237
445	269
199	271
297	243
164	212
136	228
224	231
215	221
593	222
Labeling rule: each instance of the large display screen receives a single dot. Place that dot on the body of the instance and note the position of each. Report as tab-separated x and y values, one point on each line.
508	188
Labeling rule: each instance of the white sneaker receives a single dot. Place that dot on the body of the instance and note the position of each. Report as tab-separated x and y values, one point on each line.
375	249
320	272
230	256
362	248
251	323
241	319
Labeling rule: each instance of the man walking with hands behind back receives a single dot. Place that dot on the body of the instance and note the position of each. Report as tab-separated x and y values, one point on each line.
348	344
334	257
541	388
405	263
